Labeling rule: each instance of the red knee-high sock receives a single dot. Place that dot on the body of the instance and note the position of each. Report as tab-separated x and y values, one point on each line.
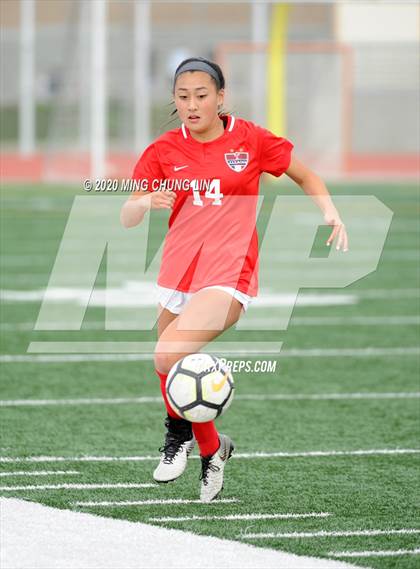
207	437
163	377
205	433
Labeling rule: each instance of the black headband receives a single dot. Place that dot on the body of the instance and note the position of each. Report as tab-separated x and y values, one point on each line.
198	65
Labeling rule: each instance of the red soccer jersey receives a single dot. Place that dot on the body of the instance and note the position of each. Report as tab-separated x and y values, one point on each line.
212	237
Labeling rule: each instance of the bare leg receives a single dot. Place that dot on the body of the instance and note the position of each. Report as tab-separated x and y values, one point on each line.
206	316
165	317
209	313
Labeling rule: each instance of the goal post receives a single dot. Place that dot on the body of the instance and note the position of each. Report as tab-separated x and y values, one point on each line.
317	89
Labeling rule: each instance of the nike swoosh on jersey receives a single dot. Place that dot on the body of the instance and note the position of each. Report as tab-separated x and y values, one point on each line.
176	168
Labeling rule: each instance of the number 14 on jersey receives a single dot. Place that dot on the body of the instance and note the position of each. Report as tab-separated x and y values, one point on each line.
212	192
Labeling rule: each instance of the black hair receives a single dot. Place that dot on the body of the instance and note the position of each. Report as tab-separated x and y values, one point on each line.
212	64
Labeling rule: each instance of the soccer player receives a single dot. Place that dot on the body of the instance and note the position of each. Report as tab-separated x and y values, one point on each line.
207	174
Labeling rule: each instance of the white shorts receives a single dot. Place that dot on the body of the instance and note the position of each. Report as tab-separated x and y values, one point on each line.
175	300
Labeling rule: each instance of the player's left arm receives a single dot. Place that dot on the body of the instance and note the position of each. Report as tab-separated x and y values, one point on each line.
314	187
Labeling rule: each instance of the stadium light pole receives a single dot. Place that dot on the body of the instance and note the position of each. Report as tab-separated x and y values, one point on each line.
98	89
142	109
259	35
27	78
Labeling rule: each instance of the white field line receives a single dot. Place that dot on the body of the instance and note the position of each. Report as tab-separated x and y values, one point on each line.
373	452
385	553
305	534
77	540
145	296
75	487
340	321
350	352
243	397
83	401
256	455
148	503
251	321
128	295
232	517
42	261
40	473
144	348
328	396
58	358
135	294
134	357
373	293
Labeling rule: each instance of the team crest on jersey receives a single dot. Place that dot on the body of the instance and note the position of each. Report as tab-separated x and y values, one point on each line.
237	161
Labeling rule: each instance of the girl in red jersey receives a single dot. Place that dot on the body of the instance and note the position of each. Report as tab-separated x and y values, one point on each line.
209	172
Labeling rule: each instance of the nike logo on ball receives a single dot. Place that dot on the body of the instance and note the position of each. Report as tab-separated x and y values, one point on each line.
218	386
176	168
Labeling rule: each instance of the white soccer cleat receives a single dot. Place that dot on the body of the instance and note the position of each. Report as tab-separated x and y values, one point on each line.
179	443
212	468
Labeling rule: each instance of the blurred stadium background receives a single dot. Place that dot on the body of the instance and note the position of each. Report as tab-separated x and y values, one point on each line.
86	85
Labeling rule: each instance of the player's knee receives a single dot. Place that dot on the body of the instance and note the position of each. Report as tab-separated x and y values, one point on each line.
164	362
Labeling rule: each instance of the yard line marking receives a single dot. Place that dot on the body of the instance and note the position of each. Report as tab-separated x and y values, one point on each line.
144	294
328	396
76	487
141	458
147	348
122	543
128	294
133	357
83	401
243	397
298	535
373	452
350	352
392	253
340	321
384	293
8	459
295	321
54	358
40	473
241	517
385	553
149	502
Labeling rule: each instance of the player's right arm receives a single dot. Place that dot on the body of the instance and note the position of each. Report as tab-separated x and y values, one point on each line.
134	209
147	169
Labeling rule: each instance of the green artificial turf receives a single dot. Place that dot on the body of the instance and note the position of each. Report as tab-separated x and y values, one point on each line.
361	492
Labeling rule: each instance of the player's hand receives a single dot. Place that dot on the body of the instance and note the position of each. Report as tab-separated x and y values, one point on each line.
162	199
339	233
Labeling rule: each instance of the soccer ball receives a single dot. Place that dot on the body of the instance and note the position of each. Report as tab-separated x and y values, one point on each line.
199	388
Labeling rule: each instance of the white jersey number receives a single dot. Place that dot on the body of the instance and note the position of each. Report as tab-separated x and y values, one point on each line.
212	192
